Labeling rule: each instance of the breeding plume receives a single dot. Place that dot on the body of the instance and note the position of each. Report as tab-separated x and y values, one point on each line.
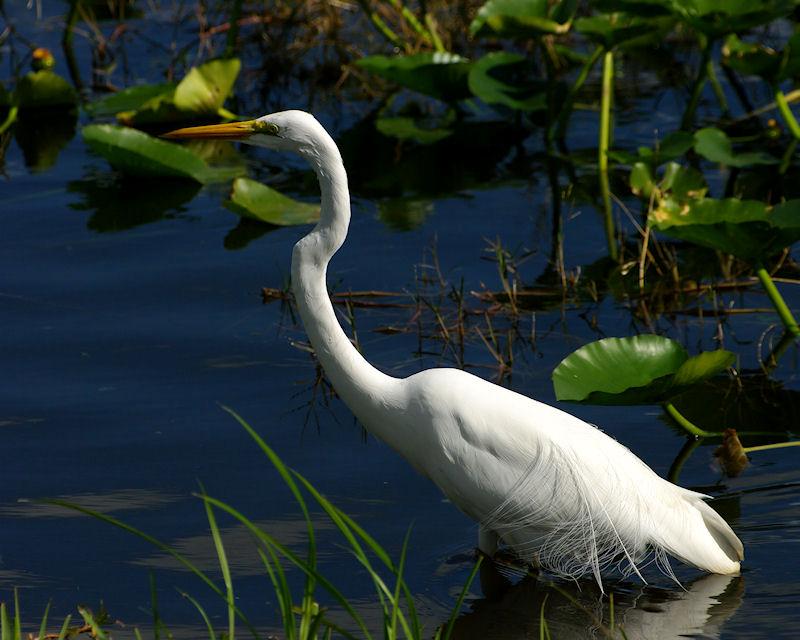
557	490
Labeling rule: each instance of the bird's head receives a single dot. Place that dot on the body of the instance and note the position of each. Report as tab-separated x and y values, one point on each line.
283	131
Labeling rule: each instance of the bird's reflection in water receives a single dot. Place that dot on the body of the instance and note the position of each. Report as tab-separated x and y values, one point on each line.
511	611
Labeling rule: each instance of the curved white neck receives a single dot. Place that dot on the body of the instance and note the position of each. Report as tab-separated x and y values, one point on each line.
362	387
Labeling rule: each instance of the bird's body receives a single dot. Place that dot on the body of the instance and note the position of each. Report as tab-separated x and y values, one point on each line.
557	490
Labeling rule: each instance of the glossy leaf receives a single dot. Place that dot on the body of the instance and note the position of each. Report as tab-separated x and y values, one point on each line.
38	89
612	30
205	88
440	75
128	99
757	59
506	78
256	201
523	18
201	93
408	128
714	145
716	19
748	229
639	370
136	153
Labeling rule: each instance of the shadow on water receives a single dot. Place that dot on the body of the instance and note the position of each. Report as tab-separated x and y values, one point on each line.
117	203
578	610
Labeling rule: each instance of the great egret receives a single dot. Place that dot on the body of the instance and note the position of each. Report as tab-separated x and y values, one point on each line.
557	490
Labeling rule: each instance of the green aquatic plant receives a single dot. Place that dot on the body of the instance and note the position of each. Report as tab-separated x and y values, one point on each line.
306	618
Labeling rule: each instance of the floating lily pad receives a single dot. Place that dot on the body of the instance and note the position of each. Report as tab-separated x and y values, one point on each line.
45	88
614	30
714	144
639	370
756	59
136	153
128	99
201	93
508	79
440	75
748	229
408	128
523	18
256	201
716	19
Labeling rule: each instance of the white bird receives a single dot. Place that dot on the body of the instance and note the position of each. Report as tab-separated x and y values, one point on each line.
558	491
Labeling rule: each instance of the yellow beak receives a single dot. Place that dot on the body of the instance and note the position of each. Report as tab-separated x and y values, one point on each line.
226	131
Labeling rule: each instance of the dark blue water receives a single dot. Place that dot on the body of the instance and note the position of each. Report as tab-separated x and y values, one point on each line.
131	313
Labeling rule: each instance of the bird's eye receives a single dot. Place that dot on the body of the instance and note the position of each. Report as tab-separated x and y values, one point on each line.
270	128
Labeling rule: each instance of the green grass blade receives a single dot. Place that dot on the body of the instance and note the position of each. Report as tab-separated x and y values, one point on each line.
156	543
461	596
17	617
281	588
398	584
292	557
285	473
43	625
154	608
202	612
88	618
224	567
544	629
5	623
137	634
64	628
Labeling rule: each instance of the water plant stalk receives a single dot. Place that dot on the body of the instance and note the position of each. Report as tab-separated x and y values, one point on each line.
686	424
602	150
786	113
716	85
558	131
774	445
777	300
699	83
381	26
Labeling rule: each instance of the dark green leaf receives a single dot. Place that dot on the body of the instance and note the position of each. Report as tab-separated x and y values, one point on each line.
507	79
257	201
129	99
407	128
440	75
639	370
136	153
204	89
748	229
522	18
44	89
716	19
714	145
613	30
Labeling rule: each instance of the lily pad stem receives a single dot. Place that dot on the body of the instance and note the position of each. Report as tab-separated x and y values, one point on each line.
717	87
10	118
381	26
689	426
786	112
774	445
697	87
558	131
602	150
777	300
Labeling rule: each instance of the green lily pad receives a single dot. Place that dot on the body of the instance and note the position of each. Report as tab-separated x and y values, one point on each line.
129	99
408	128
507	79
716	19
251	199
136	153
748	229
643	369
205	88
756	59
523	18
45	88
201	93
714	145
440	75
613	30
